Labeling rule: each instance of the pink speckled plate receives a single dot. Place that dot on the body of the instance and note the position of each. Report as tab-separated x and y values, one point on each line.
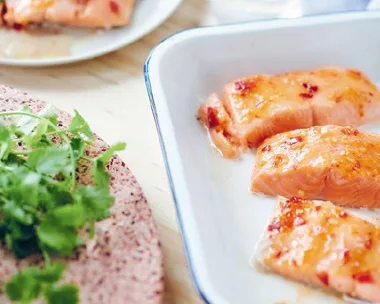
123	263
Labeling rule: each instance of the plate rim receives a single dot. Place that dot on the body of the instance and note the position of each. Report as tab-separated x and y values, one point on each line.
187	34
90	55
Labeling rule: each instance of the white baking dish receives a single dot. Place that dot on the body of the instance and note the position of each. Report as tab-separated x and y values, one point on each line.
220	220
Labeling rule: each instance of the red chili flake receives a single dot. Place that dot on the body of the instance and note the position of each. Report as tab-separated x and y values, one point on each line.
18	26
227	135
368	244
324	277
299	221
370	94
350	131
244	86
343	214
114	6
294	199
338	99
293	140
274	226
306	95
363	277
346	256
278	254
212	118
311	88
266	148
318	208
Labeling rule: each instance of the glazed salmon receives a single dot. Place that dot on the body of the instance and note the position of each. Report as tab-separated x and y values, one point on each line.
256	107
317	243
83	13
335	163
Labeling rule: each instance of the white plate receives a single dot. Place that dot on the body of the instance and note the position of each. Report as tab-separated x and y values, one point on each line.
220	220
147	15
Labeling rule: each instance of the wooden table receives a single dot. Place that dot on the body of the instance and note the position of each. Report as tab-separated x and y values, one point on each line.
110	93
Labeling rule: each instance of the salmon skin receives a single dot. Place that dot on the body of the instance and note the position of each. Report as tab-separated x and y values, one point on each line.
82	13
256	107
317	243
334	163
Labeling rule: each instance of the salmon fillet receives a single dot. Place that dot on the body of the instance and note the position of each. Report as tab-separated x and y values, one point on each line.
256	107
334	163
317	243
83	13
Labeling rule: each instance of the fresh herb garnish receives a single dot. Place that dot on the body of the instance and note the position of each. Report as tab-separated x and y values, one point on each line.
42	208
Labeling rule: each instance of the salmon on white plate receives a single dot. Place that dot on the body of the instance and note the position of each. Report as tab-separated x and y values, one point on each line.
254	108
334	163
81	13
318	243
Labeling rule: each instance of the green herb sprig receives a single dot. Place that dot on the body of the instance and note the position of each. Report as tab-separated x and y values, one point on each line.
42	207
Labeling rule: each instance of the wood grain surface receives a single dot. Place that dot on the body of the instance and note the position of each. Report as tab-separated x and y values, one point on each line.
110	93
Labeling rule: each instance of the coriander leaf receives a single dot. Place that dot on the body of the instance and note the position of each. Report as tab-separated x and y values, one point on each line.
106	156
57	237
70	215
23	286
53	118
51	273
5	142
12	210
65	294
100	176
78	145
79	126
33	137
96	201
50	161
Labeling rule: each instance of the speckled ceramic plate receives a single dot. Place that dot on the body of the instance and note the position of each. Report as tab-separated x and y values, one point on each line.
148	15
123	263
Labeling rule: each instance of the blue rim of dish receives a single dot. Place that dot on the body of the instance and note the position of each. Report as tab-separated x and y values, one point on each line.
148	85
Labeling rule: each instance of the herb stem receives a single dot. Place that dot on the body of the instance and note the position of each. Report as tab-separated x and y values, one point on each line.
46	257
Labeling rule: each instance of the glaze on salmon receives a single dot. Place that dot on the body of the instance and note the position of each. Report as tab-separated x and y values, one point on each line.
257	107
335	163
317	243
83	13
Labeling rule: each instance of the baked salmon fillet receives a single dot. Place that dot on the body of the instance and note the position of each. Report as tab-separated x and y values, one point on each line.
82	13
334	163
318	243
256	107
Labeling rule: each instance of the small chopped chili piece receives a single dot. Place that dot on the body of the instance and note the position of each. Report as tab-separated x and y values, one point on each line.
114	6
350	131
318	208
274	226
346	256
18	27
311	88
266	148
343	214
278	254
306	95
363	277
324	277
368	244
212	119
